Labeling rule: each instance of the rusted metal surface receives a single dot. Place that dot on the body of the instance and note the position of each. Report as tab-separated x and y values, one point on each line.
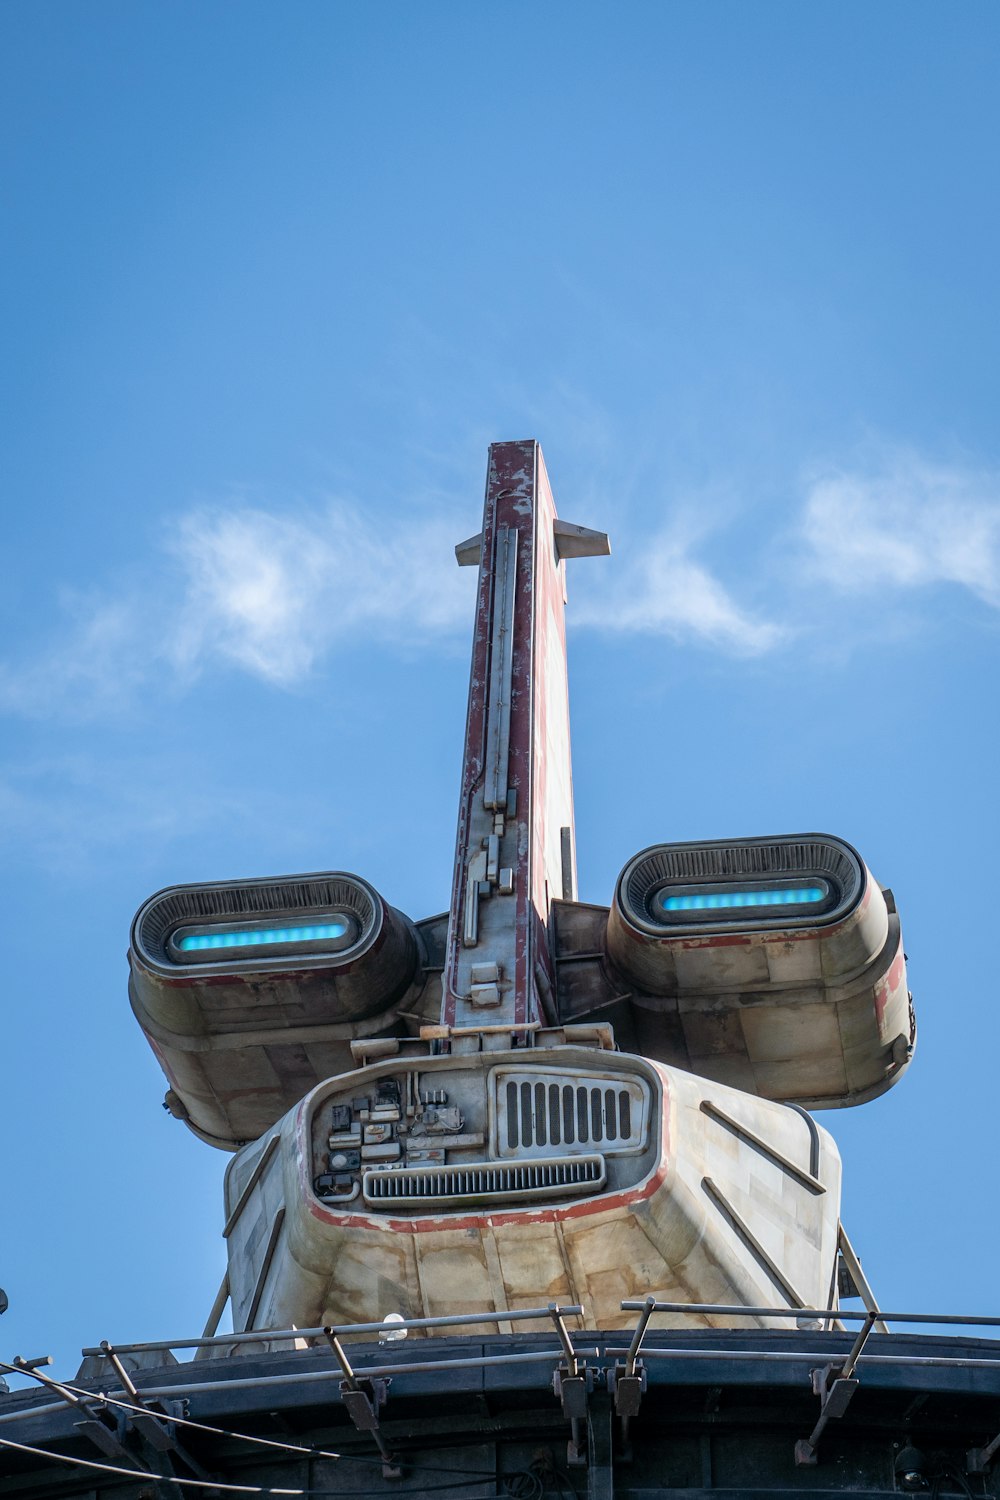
496	793
241	1041
515	849
818	1013
716	1204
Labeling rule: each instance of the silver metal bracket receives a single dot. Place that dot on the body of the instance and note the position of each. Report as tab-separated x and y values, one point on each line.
153	1420
573	1385
627	1389
835	1385
95	1420
363	1400
627	1382
835	1393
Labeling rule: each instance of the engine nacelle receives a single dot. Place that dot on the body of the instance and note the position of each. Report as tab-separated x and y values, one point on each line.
251	992
779	960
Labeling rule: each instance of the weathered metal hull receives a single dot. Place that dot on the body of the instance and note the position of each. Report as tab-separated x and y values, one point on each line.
737	1202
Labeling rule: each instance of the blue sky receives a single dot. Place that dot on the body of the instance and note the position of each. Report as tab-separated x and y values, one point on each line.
275	277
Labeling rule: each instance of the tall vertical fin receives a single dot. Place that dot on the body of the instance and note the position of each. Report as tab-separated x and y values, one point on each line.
516	846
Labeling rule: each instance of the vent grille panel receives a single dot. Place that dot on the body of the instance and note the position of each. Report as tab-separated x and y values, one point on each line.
656	870
537	1113
483	1182
288	899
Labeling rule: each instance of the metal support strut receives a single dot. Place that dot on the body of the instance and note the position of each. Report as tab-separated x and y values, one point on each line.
108	1429
572	1382
153	1419
588	1411
835	1385
627	1382
363	1402
94	1420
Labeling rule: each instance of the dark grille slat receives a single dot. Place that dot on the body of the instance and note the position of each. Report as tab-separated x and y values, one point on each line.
555	1115
245	901
451	1185
665	865
544	1114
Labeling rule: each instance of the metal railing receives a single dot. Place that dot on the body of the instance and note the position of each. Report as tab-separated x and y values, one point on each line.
571	1370
570	1348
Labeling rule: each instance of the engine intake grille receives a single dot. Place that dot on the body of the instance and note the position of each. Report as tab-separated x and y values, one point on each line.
555	1113
483	1182
282	900
716	864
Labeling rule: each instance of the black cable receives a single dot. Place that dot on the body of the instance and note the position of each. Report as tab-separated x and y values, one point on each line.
525	1484
226	1486
301	1450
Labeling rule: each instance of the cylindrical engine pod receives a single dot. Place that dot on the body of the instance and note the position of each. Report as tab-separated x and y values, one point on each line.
782	955
250	992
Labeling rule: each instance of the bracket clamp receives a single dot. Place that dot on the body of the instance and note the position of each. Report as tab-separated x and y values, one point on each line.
573	1385
627	1388
835	1385
835	1391
363	1399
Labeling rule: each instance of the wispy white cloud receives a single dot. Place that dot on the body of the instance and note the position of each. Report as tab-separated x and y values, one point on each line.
267	593
904	523
271	593
667	592
890	523
94	666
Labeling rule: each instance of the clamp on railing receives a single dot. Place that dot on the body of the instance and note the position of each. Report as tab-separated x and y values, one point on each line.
363	1400
94	1419
364	1394
835	1385
627	1381
572	1383
153	1419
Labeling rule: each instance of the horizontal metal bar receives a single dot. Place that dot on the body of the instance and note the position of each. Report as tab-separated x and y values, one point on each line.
963	1320
315	1377
958	1319
771	1356
272	1335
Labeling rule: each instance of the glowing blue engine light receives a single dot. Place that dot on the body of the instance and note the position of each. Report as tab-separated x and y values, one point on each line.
728	900
198	942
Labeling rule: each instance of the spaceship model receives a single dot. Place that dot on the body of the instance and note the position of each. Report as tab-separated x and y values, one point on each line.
528	1098
472	1130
